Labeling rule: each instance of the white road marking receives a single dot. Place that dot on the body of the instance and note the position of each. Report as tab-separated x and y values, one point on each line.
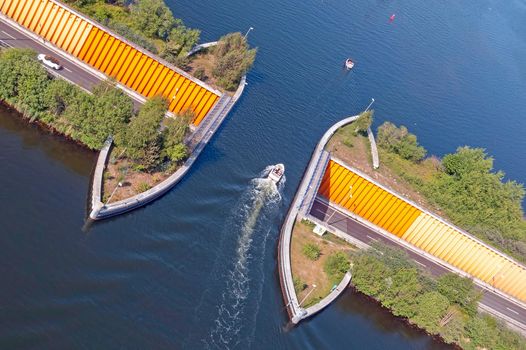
419	263
374	239
69	70
515	312
9	35
5	44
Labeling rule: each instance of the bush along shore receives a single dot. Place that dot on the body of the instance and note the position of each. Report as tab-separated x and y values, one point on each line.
444	306
151	24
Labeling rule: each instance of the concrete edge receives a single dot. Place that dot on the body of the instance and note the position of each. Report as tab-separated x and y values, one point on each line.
96	187
295	312
222	109
374	149
322	304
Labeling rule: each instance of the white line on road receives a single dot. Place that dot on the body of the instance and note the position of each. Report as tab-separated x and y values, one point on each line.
515	312
371	238
9	35
419	263
5	44
69	70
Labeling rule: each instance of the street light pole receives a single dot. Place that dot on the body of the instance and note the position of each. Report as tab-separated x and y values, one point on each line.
370	104
306	296
248	31
114	190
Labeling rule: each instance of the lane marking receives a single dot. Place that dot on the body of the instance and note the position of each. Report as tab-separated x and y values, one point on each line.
515	312
69	70
4	44
374	239
9	35
419	263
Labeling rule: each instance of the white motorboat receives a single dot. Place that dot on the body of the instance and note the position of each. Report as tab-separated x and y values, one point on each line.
277	172
349	64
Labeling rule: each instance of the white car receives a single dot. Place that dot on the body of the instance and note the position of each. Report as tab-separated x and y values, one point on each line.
49	61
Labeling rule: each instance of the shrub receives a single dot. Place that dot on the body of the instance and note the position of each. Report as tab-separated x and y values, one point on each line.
299	285
400	141
233	59
142	187
336	266
200	73
311	251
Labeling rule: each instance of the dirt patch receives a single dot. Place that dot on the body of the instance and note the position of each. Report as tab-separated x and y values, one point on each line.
133	180
393	173
311	272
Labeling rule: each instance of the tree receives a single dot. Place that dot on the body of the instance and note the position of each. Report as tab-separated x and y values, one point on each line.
402	290
180	41
336	266
430	307
363	122
142	137
311	251
400	141
174	136
459	290
482	331
467	161
369	274
153	18
233	59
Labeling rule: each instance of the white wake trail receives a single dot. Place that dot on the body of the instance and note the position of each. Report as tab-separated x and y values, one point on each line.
252	218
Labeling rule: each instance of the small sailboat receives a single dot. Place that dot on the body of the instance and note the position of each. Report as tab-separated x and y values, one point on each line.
276	173
349	64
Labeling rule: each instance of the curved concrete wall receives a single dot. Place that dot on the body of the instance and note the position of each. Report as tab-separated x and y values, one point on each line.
354	192
95	45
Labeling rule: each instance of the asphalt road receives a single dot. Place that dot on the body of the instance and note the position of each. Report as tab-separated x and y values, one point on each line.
12	37
345	223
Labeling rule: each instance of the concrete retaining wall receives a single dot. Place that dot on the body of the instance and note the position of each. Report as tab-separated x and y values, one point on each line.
200	138
296	313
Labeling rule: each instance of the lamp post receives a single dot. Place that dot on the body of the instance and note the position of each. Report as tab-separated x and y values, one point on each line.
370	104
114	190
248	31
306	296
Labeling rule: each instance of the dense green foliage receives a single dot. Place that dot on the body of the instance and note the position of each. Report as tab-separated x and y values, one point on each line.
480	200
363	122
311	251
149	23
142	138
336	266
445	306
174	135
400	141
88	118
465	187
233	59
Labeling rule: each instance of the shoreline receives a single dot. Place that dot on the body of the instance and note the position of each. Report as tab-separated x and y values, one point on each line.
46	128
404	320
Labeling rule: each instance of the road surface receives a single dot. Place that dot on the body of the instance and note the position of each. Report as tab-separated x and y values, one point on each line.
12	37
345	223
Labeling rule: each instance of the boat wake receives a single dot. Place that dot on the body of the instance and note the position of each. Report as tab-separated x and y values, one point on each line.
238	304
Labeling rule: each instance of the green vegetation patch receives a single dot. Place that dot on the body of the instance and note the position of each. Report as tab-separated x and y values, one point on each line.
446	305
462	185
311	251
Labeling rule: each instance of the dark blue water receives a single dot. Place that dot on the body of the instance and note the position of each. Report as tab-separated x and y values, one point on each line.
197	268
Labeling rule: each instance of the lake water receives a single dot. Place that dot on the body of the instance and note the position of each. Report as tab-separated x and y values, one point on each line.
197	268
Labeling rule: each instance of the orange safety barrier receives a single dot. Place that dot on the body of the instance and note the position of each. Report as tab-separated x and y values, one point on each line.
111	55
349	190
